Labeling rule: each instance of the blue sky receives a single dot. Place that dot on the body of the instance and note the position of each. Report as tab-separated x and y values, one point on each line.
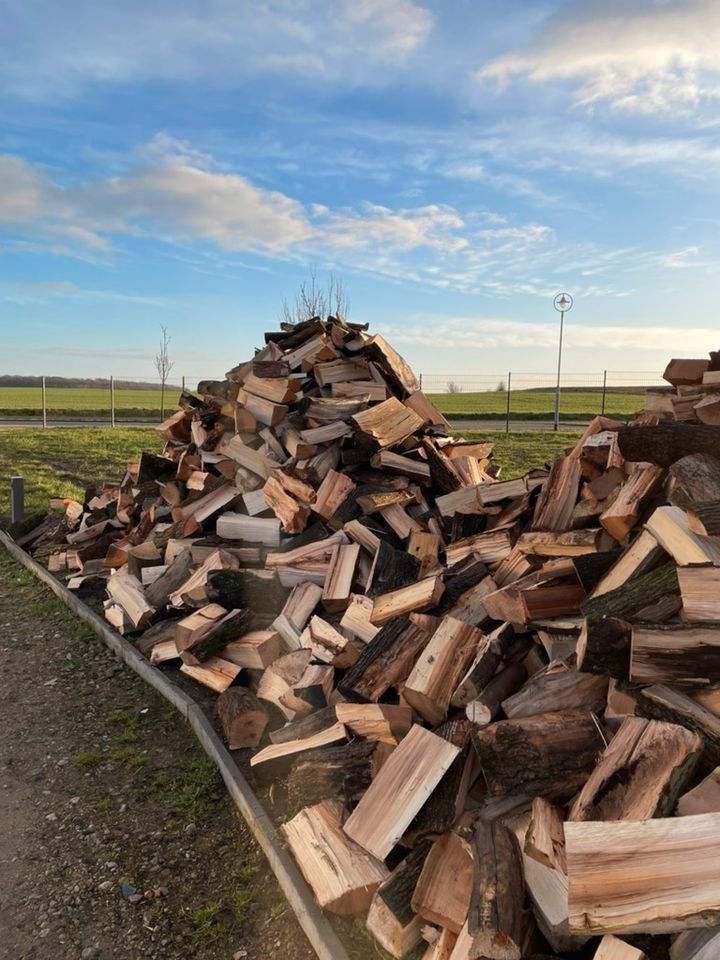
455	163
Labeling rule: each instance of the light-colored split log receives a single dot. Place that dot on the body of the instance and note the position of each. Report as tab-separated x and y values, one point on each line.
423	595
236	526
670	527
652	876
406	780
341	874
215	673
442	894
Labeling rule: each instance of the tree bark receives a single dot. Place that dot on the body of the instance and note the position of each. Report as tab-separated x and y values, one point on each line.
668	442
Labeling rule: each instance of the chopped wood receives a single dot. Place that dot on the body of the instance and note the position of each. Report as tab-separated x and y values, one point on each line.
624	512
387	723
420	596
439	668
402	786
611	948
391	920
681	655
696	945
342	875
388	423
127	592
332	493
215	673
497	921
557	687
651	876
640	774
242	717
703	798
670	527
434	898
340	576
236	526
387	659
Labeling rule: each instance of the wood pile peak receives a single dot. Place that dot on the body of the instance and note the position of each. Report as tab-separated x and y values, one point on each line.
487	711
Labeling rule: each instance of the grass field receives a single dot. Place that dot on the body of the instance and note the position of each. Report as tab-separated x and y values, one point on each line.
578	405
60	462
64	403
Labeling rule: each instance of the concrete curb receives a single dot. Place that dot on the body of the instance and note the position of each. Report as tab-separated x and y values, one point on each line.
315	925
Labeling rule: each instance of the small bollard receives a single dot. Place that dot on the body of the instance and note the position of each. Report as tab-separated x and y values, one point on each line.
17	499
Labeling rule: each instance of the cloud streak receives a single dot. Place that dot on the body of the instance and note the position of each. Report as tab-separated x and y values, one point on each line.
639	56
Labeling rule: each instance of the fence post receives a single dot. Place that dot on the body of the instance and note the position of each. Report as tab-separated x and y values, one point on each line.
421	381
602	412
44	404
507	403
112	401
183	383
17	499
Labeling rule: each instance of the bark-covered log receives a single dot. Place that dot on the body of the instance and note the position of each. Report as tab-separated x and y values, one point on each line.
391	569
668	442
242	717
342	772
666	703
497	919
448	798
386	660
695	478
548	755
391	919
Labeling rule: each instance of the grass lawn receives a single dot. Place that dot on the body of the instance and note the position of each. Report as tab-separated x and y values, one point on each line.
60	462
536	404
67	402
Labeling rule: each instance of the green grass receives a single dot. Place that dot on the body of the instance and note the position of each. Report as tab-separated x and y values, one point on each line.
525	450
68	402
61	462
536	404
194	791
575	404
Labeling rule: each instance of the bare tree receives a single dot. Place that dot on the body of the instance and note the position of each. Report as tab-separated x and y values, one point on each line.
316	300
501	387
453	387
163	365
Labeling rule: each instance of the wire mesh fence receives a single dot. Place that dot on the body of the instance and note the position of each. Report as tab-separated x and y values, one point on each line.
496	399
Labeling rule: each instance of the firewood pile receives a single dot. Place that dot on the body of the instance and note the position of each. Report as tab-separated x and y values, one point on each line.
491	707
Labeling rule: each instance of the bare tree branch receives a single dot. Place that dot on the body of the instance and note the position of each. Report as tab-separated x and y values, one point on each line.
163	365
314	300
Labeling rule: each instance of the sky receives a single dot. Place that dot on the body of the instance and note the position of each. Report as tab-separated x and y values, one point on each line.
455	163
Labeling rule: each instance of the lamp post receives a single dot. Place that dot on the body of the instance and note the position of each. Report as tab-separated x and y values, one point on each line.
563	303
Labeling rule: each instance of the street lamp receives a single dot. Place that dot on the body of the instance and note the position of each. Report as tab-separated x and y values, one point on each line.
563	303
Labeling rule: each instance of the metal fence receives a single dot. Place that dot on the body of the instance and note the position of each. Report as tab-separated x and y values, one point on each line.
508	399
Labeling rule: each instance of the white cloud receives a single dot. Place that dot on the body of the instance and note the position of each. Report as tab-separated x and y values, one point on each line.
473	333
635	55
431	226
61	49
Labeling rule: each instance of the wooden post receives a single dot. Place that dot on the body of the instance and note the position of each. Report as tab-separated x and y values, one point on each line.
604	393
507	403
183	384
44	404
112	401
17	499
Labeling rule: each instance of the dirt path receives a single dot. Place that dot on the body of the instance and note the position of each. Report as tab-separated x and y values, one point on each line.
117	841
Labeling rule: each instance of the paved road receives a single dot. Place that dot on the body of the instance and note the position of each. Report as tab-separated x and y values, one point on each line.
479	425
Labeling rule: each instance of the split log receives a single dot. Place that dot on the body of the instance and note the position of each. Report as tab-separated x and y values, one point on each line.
490	547
557	687
127	592
242	717
342	876
665	703
439	668
296	612
272	761
312	691
652	876
340	576
386	660
484	708
704	798
640	774
388	423
391	920
332	493
639	557
405	781
624	512
281	676
255	650
236	526
356	618
418	597
558	496
547	755
444	887
497	920
293	515
700	592
602	648
611	948
671	529
387	723
215	673
340	771
684	655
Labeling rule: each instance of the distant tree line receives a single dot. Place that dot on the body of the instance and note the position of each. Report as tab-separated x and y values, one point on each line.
95	383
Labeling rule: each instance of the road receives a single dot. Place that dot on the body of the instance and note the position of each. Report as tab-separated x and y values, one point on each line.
457	425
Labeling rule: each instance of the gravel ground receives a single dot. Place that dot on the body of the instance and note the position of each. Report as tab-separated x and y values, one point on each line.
118	840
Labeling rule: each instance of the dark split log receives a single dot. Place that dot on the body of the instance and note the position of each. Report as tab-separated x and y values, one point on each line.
667	442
